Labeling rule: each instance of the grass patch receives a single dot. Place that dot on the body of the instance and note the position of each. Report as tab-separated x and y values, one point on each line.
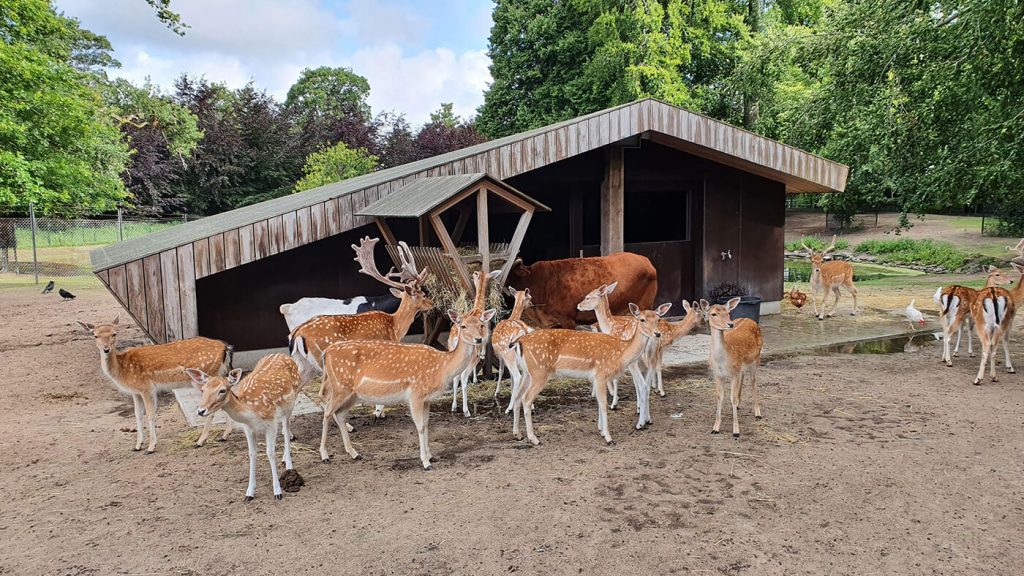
816	243
82	235
921	252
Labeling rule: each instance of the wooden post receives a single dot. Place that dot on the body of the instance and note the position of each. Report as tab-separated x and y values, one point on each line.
449	246
513	248
612	201
482	234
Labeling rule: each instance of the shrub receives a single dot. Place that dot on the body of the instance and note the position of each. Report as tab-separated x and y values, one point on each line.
725	291
816	243
920	252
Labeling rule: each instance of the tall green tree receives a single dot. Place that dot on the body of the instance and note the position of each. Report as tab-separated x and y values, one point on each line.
335	164
329	105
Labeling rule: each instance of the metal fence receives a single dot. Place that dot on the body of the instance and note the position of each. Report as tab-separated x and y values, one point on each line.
47	247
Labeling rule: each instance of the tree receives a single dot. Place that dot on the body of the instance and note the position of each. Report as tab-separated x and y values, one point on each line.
444	133
334	164
328	105
396	144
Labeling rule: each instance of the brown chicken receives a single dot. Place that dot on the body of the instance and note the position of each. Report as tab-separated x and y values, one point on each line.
797	298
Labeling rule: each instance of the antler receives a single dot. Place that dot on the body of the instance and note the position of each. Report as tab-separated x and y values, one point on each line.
409	274
806	247
830	246
367	265
1019	248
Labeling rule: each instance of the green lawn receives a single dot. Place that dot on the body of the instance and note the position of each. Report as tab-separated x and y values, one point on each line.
87	235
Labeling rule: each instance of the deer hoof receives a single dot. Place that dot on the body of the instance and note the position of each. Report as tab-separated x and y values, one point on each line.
714	431
198	445
610	443
223	439
148	452
357	456
248	499
325	461
137	449
661	393
467	414
278	496
820	318
977	382
994	379
735	434
1011	370
428	467
757	417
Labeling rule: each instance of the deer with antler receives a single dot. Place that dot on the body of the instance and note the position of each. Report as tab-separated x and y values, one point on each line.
829	277
993	311
598	357
392	373
502	335
955	304
142	372
480	281
735	356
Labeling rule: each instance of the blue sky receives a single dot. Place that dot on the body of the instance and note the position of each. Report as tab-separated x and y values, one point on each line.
415	54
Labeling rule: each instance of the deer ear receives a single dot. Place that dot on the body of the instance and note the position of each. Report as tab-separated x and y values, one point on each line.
453	316
704	305
511	291
687	307
732	303
610	288
663	309
487	315
86	327
396	292
198	377
634	310
494	274
234	376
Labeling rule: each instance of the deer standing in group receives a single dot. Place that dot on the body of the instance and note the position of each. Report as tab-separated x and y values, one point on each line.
392	373
259	402
670	333
598	357
955	303
479	301
142	372
308	342
735	356
503	334
992	313
829	277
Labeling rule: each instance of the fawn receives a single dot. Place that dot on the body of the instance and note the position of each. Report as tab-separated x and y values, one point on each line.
735	356
828	277
670	332
502	335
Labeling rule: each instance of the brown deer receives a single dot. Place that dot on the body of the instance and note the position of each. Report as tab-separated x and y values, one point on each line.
735	356
142	372
992	313
955	308
259	402
479	301
829	277
670	333
502	335
391	373
598	357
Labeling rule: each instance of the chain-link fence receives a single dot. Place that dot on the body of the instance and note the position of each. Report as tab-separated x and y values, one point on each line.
46	247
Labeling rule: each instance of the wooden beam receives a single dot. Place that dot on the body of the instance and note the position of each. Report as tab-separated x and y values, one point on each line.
460	225
449	246
612	201
388	235
483	239
513	247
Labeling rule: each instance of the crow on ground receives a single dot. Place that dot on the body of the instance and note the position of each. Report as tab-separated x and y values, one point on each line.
66	295
49	287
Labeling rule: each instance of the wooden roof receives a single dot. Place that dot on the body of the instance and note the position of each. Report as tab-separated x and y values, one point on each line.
421	196
154	276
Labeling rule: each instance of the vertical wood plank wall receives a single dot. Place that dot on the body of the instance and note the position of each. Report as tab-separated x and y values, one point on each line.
159	290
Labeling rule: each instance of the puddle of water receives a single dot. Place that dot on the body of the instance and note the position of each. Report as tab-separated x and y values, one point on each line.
884	346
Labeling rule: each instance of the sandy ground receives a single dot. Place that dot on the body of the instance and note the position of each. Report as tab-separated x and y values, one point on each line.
864	464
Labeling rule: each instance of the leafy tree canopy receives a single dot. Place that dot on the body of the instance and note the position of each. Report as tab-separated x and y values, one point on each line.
334	164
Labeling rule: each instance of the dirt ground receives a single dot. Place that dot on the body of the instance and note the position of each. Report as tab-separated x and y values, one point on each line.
886	464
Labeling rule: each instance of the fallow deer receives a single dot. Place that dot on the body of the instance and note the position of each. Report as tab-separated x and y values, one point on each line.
596	301
598	357
142	372
735	356
259	402
955	309
670	333
479	301
391	373
829	277
502	335
992	312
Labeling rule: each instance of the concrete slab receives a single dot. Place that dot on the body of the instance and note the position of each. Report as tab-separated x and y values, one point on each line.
189	399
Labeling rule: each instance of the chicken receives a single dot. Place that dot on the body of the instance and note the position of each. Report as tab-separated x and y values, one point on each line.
914	316
65	294
49	287
797	298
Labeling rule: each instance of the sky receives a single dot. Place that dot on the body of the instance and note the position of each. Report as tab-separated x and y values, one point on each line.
415	54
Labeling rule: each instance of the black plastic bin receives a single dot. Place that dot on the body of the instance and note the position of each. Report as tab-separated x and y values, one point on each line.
749	307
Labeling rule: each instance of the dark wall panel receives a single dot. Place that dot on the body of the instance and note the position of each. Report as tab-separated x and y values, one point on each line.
762	236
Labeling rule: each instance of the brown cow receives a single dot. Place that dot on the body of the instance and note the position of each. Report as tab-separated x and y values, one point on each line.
557	286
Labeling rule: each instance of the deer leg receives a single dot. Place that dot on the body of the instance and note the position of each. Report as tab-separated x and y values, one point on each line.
501	373
250	439
1006	351
517	380
535	385
615	394
719	394
853	292
341	417
271	439
602	408
420	411
228	425
455	392
993	348
835	303
737	386
150	403
465	390
814	302
140	410
970	339
752	374
643	391
659	358
286	434
984	359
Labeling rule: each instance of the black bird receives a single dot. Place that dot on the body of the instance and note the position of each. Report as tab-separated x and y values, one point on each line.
66	295
49	288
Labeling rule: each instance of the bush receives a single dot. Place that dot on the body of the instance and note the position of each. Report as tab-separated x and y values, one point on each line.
920	252
725	291
816	243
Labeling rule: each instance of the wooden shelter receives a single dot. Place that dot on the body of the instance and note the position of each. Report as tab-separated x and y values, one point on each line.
704	200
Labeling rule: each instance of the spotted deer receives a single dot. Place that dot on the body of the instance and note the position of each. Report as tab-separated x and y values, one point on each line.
735	356
598	357
992	313
502	335
142	372
391	373
829	277
479	301
259	402
670	333
955	309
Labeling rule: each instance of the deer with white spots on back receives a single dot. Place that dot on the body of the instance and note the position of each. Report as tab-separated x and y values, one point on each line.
263	399
479	301
503	333
955	309
829	277
992	312
735	356
142	372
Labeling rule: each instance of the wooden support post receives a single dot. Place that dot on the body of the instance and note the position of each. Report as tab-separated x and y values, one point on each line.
449	246
513	247
460	225
482	233
612	201
388	235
